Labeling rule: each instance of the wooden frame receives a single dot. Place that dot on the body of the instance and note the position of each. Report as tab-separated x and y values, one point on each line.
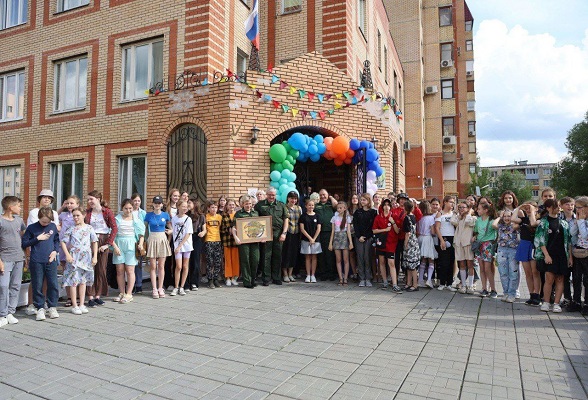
260	229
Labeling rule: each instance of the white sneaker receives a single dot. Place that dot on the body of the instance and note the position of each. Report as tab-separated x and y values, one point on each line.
228	282
312	279
504	297
456	282
3	322
234	282
174	292
441	287
451	288
462	290
510	299
518	294
76	311
307	280
361	283
53	313
291	278
556	308
545	306
40	314
31	310
286	279
470	290
368	283
11	319
182	292
84	309
429	284
170	288
421	284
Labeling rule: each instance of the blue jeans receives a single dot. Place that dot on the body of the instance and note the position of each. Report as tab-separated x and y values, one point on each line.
40	272
508	268
139	273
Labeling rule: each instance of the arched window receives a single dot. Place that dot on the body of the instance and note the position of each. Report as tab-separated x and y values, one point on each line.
186	160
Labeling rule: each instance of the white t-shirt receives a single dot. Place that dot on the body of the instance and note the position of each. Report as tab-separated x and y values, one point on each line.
447	228
34	217
336	219
424	225
182	226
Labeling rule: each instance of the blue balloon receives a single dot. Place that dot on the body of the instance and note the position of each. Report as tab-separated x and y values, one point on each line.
315	157
321	148
283	181
292	177
319	138
292	185
304	148
285	174
302	157
364	144
312	149
370	145
372	155
354	144
284	188
375	165
307	138
379	171
275	184
297	140
275	176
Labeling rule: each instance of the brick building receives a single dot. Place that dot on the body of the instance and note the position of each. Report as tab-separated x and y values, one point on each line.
93	94
435	44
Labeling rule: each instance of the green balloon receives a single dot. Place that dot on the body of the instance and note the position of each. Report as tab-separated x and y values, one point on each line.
287	146
290	158
288	165
278	167
278	153
294	153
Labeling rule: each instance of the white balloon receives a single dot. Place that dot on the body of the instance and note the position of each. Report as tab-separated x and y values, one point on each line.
370	192
371	176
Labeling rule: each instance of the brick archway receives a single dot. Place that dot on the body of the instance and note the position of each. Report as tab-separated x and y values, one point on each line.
316	124
174	125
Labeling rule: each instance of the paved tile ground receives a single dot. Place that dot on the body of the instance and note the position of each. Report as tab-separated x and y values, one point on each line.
299	341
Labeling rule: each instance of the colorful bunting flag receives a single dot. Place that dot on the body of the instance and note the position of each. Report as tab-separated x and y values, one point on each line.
293	90
302	93
310	96
320	97
337	105
294	112
276	104
205	82
283	85
285	107
275	78
322	114
313	114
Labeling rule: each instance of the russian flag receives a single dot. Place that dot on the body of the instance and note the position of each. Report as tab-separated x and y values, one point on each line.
252	25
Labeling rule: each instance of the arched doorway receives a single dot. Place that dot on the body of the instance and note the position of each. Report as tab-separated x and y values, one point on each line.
186	160
323	174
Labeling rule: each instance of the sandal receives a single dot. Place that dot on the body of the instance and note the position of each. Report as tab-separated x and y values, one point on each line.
127	298
344	282
68	303
340	282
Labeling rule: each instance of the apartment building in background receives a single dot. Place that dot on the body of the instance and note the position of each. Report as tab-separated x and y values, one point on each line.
110	94
434	39
537	175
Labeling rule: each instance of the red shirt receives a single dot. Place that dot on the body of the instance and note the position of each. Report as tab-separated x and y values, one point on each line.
398	214
381	222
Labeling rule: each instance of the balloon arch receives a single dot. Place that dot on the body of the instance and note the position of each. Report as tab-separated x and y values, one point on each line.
301	147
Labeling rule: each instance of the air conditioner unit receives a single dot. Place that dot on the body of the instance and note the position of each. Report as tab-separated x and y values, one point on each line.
449	140
428	182
407	146
446	63
431	90
469	73
472	132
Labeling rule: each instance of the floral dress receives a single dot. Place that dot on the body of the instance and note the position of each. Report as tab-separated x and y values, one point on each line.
79	241
412	253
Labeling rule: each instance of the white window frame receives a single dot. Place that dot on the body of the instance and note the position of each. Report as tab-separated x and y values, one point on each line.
242	58
471	147
535	193
362	17
132	79
128	190
547	182
6	7
446	130
291	6
546	171
13	183
66	5
469	25
446	54
56	180
441	15
19	77
447	84
469	45
471	105
60	94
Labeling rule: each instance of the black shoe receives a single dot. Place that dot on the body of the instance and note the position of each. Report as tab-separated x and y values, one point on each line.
92	303
585	310
211	284
574	307
265	283
138	290
254	284
277	282
216	283
565	303
99	301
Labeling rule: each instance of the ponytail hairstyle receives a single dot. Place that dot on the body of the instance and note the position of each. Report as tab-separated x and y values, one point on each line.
344	219
98	195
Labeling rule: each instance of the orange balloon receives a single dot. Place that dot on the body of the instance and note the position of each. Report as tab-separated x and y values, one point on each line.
329	144
338	162
350	153
347	161
327	155
340	145
328	141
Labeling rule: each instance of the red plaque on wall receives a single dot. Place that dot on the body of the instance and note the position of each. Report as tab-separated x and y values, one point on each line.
239	154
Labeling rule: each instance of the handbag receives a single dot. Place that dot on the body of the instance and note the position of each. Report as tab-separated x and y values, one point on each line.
476	244
579	252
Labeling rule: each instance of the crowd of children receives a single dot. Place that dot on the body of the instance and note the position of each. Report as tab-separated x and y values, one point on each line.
436	244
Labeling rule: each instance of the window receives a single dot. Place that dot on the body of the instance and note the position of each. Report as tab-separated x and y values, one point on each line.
471	105
448	126
470	86
471	128
13	12
70	84
67	178
469	25
289	6
546	171
472	168
444	16
395	88
447	89
469	45
534	182
472	147
379	50
11	96
531	171
9	179
142	68
64	5
446	52
385	64
546	182
242	61
361	15
469	66
400	97
535	193
132	177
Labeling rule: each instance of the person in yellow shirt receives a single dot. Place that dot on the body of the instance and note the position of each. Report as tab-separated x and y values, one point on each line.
213	248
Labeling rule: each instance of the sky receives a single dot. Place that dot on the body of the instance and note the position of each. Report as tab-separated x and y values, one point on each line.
531	77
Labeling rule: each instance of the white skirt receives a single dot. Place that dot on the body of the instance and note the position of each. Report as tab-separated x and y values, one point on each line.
307	248
427	247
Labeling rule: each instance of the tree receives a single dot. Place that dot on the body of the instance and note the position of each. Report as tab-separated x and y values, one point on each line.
570	175
514	181
481	179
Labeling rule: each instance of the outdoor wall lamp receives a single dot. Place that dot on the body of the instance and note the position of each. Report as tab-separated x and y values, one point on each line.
374	141
254	134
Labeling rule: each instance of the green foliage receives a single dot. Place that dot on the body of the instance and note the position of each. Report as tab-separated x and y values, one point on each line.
481	178
514	181
570	175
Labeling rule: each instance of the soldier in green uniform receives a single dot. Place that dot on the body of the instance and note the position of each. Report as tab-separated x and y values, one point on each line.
325	209
273	249
248	252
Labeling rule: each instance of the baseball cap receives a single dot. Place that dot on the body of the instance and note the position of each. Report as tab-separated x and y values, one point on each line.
402	196
158	200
